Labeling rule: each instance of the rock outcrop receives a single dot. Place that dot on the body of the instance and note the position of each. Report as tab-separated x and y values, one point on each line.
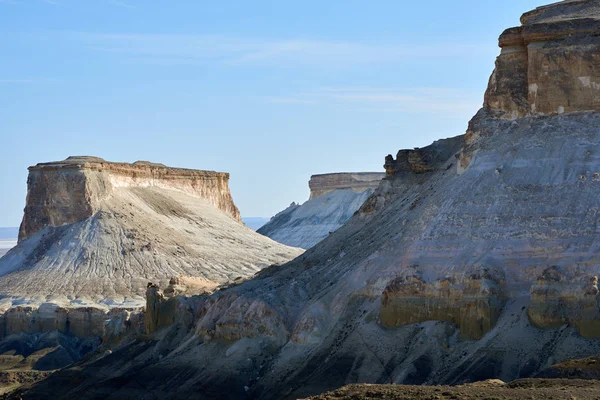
73	190
473	303
550	64
334	198
98	231
357	181
94	233
82	322
476	258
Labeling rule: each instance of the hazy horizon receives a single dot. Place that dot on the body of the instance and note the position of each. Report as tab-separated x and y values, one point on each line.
271	93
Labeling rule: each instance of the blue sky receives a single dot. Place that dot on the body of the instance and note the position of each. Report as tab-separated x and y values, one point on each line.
270	91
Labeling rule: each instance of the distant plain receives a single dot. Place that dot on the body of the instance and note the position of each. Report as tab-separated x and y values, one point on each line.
8	239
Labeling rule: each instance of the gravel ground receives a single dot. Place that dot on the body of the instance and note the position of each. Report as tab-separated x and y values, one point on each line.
556	389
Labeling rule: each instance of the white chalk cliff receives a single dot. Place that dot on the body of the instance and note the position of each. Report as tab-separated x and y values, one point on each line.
334	198
95	232
478	257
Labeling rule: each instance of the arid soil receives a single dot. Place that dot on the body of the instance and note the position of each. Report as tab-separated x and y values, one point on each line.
490	390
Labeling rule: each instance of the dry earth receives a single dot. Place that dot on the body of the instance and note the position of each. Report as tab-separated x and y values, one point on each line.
534	389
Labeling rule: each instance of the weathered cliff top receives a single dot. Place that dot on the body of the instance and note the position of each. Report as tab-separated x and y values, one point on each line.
358	181
554	22
563	11
548	65
139	167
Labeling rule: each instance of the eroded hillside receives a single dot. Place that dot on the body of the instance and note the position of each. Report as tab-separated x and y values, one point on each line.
476	258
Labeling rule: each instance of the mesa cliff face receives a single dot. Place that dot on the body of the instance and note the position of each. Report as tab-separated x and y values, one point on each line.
549	65
477	257
359	182
95	232
72	190
334	198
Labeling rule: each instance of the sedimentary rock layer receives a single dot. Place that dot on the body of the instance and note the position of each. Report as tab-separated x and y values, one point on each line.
334	199
72	190
357	181
550	64
477	257
96	232
82	322
473	303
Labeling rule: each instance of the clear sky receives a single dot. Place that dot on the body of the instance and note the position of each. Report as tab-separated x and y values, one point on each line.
270	91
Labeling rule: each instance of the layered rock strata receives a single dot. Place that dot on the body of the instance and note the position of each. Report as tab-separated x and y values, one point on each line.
72	190
82	322
99	231
550	64
334	198
357	181
476	258
473	303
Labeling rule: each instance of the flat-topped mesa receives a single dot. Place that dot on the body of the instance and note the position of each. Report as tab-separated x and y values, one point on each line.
334	199
550	64
357	181
97	231
70	191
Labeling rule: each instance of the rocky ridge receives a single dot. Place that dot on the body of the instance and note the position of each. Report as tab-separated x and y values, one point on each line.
500	225
334	198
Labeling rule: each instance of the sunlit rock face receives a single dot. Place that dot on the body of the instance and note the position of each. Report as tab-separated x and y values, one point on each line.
97	232
550	64
476	257
94	233
334	198
73	190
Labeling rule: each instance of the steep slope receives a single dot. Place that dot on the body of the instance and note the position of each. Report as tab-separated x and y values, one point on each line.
476	258
97	232
334	198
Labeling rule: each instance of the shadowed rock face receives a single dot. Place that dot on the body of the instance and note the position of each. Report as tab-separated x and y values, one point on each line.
476	258
557	299
473	303
82	322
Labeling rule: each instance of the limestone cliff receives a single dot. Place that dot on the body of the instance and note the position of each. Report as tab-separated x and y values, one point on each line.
72	190
95	232
549	65
357	181
334	198
476	258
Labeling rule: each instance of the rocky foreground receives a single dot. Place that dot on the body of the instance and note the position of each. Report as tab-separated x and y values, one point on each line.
476	258
490	390
334	198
